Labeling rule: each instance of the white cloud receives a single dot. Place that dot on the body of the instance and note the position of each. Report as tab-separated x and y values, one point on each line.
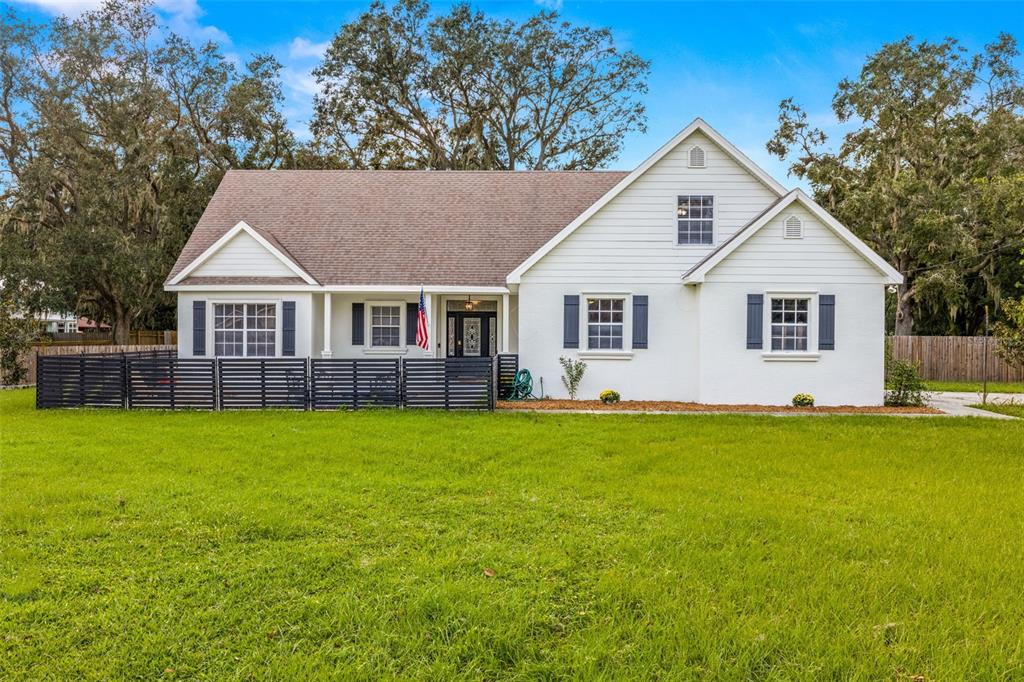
549	4
71	8
181	16
301	48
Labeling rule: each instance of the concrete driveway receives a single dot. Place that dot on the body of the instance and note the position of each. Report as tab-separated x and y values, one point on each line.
957	404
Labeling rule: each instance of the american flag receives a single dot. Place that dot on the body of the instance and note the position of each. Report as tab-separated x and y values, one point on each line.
422	338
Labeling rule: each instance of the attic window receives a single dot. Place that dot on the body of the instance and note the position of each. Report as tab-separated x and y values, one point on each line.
794	228
696	156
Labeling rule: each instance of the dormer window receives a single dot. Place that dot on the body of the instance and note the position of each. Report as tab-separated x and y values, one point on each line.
696	156
793	228
695	215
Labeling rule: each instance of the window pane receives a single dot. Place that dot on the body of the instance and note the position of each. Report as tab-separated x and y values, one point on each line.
385	329
604	323
695	215
789	324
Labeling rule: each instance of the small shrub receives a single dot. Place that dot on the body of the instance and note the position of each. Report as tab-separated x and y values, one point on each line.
572	374
904	386
803	400
610	397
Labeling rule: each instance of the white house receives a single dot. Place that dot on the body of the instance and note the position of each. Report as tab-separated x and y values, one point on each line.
695	277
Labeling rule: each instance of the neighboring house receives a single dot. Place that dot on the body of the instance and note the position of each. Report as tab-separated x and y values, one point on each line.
695	277
57	323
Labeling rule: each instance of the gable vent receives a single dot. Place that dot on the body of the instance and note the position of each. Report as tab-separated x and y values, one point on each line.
696	156
794	228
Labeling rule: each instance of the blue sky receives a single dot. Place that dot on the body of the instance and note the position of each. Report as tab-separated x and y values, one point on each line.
729	63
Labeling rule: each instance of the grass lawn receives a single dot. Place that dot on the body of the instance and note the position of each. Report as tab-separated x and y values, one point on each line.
497	546
1012	409
975	386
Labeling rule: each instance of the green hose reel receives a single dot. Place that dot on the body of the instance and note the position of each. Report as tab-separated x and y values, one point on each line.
522	386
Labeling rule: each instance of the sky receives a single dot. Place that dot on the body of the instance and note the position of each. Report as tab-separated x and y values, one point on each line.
726	62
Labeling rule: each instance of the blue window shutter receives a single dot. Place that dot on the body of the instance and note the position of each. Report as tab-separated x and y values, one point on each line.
198	327
571	322
827	322
412	314
639	322
755	321
288	328
357	324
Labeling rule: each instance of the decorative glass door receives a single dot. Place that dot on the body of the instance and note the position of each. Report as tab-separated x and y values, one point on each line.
471	333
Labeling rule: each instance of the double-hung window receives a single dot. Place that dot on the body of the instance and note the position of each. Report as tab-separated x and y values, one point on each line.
789	324
245	329
695	215
385	326
604	323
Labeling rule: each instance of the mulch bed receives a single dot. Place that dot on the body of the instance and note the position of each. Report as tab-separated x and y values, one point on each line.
670	406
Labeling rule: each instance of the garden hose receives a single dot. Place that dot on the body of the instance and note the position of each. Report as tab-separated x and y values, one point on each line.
522	386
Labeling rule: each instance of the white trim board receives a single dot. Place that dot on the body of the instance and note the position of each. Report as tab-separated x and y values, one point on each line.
698	125
698	272
342	288
240	227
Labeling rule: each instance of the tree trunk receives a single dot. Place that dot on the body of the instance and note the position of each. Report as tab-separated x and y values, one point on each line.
122	326
904	313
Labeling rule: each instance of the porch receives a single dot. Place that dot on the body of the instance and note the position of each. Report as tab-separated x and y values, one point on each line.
381	322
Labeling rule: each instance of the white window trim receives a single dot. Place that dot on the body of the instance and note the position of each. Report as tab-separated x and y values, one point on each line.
627	327
714	220
809	355
368	347
211	316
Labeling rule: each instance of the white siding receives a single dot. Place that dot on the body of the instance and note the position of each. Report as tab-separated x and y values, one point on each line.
852	374
243	256
666	370
819	257
633	238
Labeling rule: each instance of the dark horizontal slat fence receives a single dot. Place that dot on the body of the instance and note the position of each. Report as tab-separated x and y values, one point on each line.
508	365
448	383
252	383
161	381
954	358
172	383
340	383
84	380
80	381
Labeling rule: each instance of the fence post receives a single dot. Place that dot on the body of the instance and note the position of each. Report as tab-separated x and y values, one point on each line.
263	384
355	385
81	379
308	376
444	368
219	386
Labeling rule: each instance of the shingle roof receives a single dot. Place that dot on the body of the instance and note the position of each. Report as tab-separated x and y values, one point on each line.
400	227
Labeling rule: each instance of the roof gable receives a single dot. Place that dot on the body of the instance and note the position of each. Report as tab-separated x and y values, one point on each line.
697	126
698	272
257	252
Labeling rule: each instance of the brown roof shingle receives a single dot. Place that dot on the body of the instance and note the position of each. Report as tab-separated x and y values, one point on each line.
401	227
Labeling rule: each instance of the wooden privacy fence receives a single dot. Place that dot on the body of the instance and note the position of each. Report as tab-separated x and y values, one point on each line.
162	381
954	358
30	358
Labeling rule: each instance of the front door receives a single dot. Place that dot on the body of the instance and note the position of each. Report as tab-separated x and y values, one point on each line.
471	335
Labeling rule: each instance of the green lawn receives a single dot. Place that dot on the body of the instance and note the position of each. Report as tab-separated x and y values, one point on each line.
508	546
975	386
1015	409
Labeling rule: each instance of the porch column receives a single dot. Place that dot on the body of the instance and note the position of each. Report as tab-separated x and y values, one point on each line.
326	352
505	331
